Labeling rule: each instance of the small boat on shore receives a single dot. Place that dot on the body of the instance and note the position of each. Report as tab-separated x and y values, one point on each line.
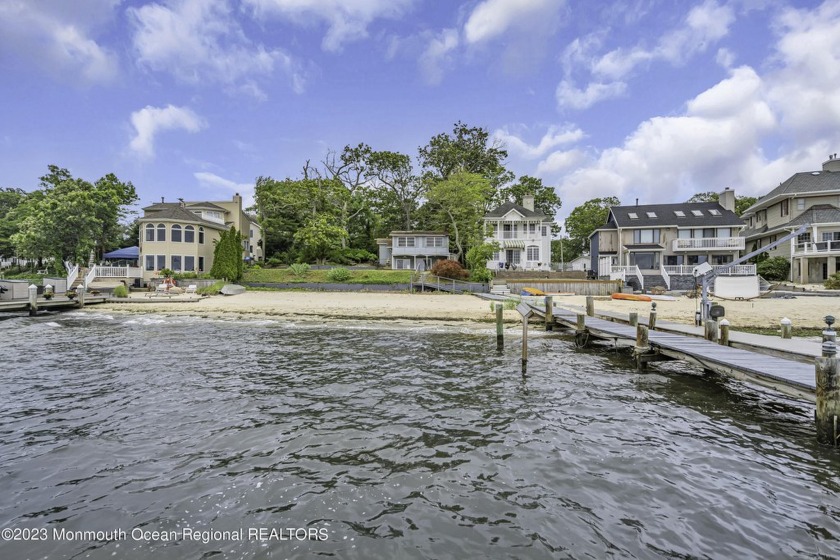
631	297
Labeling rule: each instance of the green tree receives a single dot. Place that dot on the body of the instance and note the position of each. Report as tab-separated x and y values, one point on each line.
585	219
350	171
545	198
227	256
477	257
458	204
396	191
319	237
10	200
741	202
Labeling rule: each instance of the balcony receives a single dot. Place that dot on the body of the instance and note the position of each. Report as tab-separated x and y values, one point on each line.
815	249
723	270
704	243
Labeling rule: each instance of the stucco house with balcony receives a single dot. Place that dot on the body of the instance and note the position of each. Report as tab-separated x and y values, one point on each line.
660	244
181	235
523	235
810	197
413	250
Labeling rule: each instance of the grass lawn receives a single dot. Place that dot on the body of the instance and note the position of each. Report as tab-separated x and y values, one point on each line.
285	275
773	331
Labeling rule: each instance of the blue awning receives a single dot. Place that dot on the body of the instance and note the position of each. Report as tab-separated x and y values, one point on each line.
127	253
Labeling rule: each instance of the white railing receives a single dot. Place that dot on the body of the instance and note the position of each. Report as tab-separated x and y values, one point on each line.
709	243
72	274
817	247
91	276
665	276
688	270
118	272
522	265
625	270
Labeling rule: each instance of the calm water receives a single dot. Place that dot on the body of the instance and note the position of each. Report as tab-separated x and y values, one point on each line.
390	443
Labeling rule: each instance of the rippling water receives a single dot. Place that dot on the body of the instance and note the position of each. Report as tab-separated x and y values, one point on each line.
391	443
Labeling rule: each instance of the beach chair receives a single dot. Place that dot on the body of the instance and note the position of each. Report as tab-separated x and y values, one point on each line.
191	289
160	290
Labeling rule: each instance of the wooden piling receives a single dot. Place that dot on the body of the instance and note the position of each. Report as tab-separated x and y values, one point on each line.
828	396
634	319
642	346
724	332
590	306
524	344
787	327
80	294
581	322
500	326
549	313
711	330
652	318
33	300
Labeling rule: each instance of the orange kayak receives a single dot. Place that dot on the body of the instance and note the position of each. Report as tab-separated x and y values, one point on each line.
631	297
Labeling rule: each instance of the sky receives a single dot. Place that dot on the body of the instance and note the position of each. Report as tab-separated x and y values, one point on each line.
641	99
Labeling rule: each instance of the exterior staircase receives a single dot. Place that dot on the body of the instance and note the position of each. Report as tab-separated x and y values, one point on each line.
654	280
80	279
499	288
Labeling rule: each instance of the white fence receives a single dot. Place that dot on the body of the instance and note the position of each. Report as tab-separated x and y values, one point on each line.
621	273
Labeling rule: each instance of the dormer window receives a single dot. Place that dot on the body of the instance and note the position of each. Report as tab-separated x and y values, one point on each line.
651	214
714	212
679	213
698	213
633	215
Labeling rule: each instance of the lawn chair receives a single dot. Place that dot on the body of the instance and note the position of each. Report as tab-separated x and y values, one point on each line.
191	289
160	290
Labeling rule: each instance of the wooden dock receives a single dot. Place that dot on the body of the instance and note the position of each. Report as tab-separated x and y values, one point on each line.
55	303
786	376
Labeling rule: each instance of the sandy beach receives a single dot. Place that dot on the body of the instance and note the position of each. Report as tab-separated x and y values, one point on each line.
804	311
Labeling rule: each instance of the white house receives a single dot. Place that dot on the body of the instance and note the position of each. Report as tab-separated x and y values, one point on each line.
413	250
523	236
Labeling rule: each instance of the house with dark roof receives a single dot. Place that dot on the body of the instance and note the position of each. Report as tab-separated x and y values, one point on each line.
810	197
413	250
181	235
654	244
523	235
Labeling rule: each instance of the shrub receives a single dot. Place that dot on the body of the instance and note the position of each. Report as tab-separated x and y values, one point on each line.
449	269
339	275
121	291
481	275
213	289
299	268
833	282
776	268
166	272
276	260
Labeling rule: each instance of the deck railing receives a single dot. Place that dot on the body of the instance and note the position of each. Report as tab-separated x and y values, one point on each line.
91	276
665	276
709	243
818	247
118	272
72	273
621	273
725	270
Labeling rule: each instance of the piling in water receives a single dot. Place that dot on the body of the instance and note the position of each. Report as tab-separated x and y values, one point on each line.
711	330
652	319
642	346
590	306
500	326
33	299
549	313
634	319
828	396
724	332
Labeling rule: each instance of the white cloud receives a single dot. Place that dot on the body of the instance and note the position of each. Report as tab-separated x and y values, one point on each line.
555	136
347	20
492	18
438	54
200	41
560	161
220	186
60	40
569	96
148	121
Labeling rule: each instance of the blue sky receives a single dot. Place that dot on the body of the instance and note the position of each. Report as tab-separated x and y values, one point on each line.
648	99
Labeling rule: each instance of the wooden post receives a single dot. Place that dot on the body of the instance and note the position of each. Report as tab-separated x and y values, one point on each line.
500	326
524	344
80	293
581	323
549	313
590	306
642	346
33	300
724	332
652	319
787	327
828	396
634	319
711	330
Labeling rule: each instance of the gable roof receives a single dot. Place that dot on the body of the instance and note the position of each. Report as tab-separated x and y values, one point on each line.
180	214
809	182
665	215
158	206
500	211
817	214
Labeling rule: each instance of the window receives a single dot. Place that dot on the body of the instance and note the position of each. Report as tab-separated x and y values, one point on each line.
150	262
189	264
651	214
685	233
405	242
679	213
251	233
201	235
495	255
189	234
804	238
402	264
714	212
509	231
708	232
544	231
724	232
646	236
434	242
532	229
175	260
800	204
697	213
784	207
161	262
633	215
150	232
533	253
161	232
176	233
201	264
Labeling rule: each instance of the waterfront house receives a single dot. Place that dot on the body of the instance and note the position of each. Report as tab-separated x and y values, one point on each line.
660	244
523	235
180	235
413	250
810	197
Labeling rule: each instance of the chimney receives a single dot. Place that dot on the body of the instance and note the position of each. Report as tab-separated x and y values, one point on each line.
832	164
727	199
637	202
161	200
238	200
528	202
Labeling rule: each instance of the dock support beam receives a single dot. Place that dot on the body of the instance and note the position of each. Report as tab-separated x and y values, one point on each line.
787	327
711	330
590	306
81	295
500	327
581	334
724	332
827	415
642	346
549	313
633	318
33	300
